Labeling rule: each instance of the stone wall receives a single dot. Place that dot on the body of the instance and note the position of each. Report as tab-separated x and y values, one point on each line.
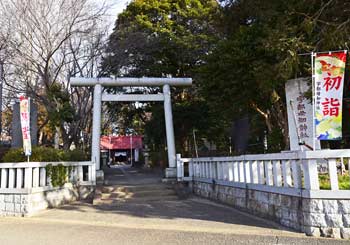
26	204
315	217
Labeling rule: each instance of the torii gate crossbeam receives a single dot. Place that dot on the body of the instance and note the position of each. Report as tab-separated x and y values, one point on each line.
99	83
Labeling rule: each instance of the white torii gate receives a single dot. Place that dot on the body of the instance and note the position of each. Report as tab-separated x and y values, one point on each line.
99	83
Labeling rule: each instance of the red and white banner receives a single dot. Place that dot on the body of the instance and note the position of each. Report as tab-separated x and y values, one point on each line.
329	81
25	125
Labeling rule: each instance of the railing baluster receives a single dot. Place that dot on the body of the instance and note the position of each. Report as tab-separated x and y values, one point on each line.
332	168
230	171
236	171
90	173
11	178
80	174
35	177
296	171
28	177
253	172
286	173
207	172
219	170
190	168
240	171
268	173
19	178
178	167
260	172
42	181
310	175
4	177
246	171
277	179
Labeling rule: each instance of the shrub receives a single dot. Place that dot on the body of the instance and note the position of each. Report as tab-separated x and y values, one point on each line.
14	155
58	174
44	154
76	155
343	181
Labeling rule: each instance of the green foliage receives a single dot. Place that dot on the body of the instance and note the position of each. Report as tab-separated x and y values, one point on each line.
163	38
239	53
76	155
44	154
275	141
247	70
14	155
58	174
343	180
62	110
159	38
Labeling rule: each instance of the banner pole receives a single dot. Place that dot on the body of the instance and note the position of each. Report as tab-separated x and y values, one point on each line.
313	102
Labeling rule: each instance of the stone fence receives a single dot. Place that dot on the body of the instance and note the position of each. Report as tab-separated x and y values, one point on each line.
284	187
25	187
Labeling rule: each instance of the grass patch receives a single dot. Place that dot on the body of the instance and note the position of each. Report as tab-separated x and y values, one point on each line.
343	181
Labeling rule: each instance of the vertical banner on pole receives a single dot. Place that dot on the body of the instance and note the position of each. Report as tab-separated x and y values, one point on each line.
25	125
329	81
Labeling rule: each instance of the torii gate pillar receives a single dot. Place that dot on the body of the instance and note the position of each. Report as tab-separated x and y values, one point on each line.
96	126
170	172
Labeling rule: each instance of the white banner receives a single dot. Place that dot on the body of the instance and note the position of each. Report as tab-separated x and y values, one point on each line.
300	119
25	125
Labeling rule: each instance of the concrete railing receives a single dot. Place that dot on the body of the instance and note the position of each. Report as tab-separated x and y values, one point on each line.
25	177
290	173
284	187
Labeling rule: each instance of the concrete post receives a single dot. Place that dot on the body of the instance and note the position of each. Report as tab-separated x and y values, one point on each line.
96	126
171	170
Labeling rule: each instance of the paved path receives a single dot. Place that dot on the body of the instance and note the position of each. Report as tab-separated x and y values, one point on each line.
138	219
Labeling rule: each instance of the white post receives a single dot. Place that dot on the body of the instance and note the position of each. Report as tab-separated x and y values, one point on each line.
42	177
268	173
19	178
253	166
260	172
286	173
4	178
179	167
12	178
230	171
296	172
241	171
333	176
28	178
219	170
190	168
202	164
236	171
276	169
169	132
246	170
96	126
310	175
225	170
36	177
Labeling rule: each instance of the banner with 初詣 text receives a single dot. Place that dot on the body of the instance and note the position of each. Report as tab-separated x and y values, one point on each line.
329	81
25	125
